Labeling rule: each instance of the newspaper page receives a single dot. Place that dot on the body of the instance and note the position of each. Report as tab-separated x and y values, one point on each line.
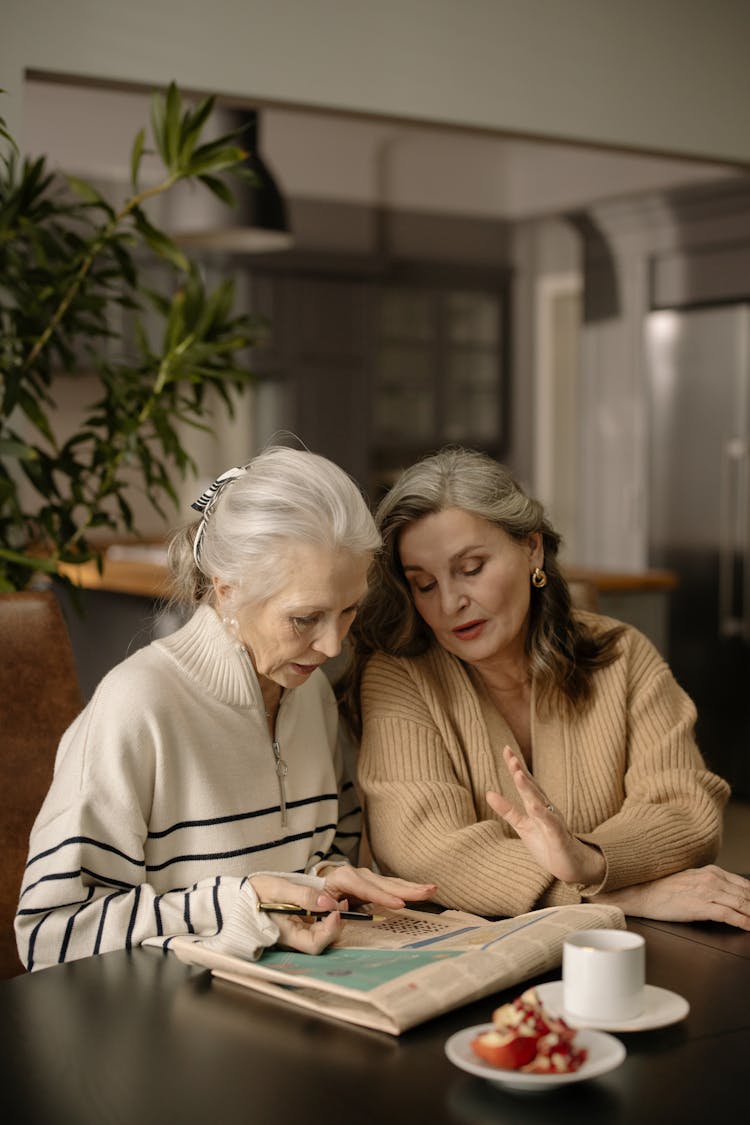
412	965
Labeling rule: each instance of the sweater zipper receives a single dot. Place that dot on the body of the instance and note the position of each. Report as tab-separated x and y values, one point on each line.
281	767
281	771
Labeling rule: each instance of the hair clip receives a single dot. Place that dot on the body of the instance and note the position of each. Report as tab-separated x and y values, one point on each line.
205	503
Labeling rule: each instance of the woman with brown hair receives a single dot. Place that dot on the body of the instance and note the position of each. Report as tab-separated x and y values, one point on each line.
518	752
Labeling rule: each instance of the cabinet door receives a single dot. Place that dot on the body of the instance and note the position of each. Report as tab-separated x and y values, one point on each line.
314	380
439	371
405	406
374	375
472	385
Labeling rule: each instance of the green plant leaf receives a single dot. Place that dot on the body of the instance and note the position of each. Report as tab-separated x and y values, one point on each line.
160	242
219	188
136	155
158	114
80	282
89	194
18	450
217	156
192	123
47	565
172	125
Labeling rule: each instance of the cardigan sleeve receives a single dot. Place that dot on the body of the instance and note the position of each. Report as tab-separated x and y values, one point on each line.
345	844
422	819
85	887
670	816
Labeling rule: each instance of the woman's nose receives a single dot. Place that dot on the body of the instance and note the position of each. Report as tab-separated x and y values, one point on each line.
329	641
452	599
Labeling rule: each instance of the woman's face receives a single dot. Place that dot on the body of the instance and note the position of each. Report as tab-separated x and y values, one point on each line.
304	623
471	583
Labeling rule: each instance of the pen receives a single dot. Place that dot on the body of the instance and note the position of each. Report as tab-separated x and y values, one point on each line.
312	915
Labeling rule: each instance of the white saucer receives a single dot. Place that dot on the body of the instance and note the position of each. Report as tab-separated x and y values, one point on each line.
604	1054
662	1008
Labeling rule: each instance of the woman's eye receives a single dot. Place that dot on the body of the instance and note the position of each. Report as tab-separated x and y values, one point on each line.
473	571
424	589
304	622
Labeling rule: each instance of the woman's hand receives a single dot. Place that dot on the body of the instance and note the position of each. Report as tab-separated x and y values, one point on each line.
700	894
543	830
296	933
360	884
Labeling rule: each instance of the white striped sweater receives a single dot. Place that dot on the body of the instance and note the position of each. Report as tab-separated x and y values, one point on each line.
165	797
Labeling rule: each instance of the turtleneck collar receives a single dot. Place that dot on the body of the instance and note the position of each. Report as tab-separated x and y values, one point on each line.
213	660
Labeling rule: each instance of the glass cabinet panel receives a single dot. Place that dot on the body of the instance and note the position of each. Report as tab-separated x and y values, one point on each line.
438	368
471	397
407	314
472	318
404	408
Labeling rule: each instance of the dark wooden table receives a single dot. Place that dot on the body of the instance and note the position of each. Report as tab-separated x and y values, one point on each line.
141	1039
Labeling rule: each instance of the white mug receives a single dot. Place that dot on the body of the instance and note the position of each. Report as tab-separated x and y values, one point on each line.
604	975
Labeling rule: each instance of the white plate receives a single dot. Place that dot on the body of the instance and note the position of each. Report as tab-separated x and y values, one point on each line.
604	1053
662	1008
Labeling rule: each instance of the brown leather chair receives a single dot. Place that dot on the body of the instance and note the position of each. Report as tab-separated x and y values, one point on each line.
39	697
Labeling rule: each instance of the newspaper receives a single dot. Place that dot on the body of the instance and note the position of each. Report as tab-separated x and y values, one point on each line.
412	965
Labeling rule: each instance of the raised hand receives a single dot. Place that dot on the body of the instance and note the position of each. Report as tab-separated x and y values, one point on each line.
544	831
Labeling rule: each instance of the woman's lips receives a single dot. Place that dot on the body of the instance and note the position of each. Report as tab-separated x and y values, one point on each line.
304	669
469	631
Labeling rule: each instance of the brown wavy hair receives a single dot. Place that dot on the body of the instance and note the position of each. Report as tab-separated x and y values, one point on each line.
563	652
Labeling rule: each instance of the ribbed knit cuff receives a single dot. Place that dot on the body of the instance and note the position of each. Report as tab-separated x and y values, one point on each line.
334	861
559	894
247	931
588	890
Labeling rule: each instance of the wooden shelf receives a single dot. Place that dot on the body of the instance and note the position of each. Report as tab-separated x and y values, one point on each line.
134	570
608	582
127	569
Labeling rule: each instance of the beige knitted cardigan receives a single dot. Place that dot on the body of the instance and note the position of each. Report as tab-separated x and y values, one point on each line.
625	773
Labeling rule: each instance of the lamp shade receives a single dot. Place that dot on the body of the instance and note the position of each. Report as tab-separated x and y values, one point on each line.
258	220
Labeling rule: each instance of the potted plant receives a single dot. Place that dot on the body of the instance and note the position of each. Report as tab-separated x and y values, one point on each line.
70	261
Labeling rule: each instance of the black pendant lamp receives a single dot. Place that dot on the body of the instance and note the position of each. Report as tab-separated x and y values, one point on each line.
258	221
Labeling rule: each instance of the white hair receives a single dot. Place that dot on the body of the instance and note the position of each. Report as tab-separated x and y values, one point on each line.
284	497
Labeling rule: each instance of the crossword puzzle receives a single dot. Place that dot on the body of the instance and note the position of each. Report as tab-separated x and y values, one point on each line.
413	927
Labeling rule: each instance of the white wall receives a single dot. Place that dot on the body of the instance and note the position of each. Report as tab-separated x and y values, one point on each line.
667	75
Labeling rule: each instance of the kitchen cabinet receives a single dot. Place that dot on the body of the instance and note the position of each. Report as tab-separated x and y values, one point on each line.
439	371
375	372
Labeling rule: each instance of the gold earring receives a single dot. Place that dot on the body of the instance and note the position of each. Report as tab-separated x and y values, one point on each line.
539	578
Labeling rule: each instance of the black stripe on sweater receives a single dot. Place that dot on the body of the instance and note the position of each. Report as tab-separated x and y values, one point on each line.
131	924
105	907
61	875
235	817
85	840
69	928
209	856
217	905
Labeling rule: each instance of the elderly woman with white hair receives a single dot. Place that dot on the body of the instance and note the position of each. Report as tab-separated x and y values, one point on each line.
205	776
